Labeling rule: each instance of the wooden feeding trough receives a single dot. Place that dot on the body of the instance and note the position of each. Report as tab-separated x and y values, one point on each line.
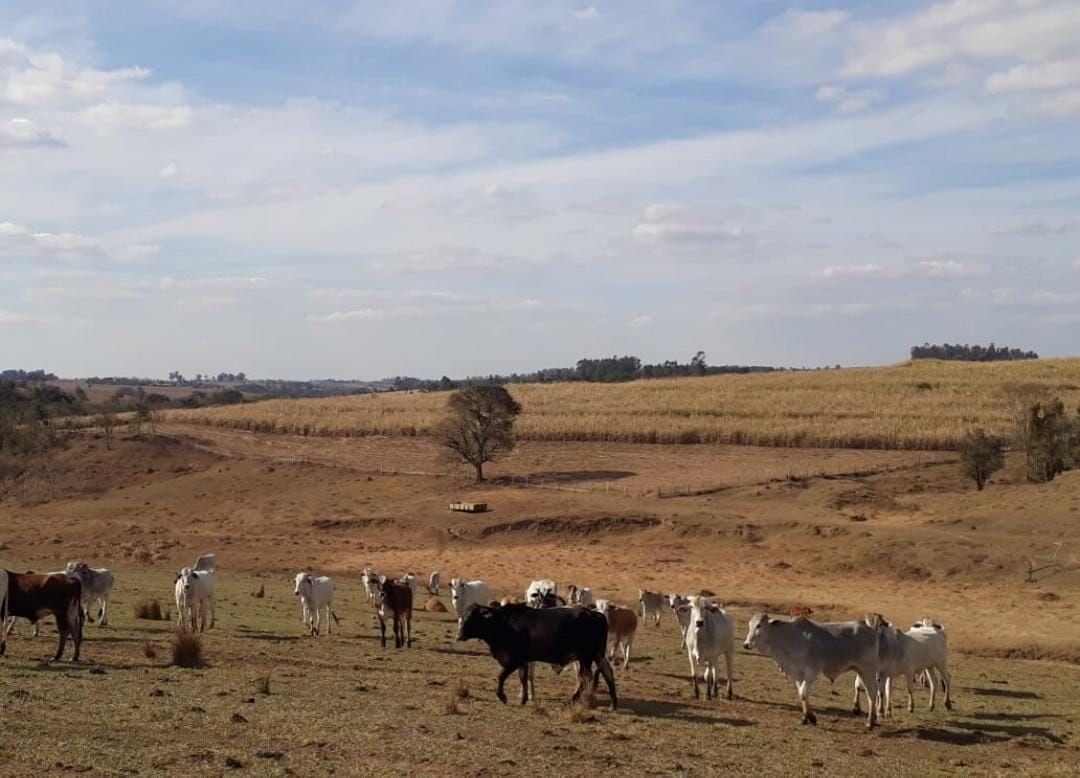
468	507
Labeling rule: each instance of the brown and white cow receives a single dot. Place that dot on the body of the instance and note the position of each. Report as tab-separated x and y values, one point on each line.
622	626
33	596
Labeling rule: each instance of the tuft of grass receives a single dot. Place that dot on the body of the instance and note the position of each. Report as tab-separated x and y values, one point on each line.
149	610
148	650
538	708
461	690
262	684
187	649
451	708
261	593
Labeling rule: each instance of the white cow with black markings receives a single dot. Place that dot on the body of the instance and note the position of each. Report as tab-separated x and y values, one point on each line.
316	595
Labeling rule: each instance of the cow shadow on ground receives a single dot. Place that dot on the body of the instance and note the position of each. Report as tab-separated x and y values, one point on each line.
665	709
454	651
566	476
1010	693
272	637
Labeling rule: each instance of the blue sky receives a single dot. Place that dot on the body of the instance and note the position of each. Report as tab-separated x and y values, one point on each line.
306	189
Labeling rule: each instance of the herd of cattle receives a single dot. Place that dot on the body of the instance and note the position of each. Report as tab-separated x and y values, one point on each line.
542	627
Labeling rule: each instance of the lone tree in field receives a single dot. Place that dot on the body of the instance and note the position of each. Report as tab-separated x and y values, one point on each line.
1052	441
981	456
479	425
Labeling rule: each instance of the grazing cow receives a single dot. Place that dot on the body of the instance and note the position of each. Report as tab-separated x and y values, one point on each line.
34	596
710	634
652	604
194	590
466	593
518	635
433	584
395	603
370	579
3	609
622	627
97	586
804	650
910	655
537	589
580	595
316	595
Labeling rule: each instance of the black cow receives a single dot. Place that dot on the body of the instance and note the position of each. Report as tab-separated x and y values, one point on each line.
33	597
518	635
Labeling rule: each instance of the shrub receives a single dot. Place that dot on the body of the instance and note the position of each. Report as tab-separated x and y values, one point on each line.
981	456
149	610
461	690
262	684
148	650
186	649
1051	441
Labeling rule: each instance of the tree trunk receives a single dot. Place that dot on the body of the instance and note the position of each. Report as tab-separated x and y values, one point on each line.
479	472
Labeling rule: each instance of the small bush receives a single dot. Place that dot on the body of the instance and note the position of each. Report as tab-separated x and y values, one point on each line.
148	650
981	456
149	610
461	690
262	684
187	649
261	593
451	708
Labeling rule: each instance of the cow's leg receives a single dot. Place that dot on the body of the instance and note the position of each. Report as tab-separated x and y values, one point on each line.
532	680
870	681
63	626
709	675
693	676
803	688
729	668
103	617
329	621
583	680
382	631
628	643
213	610
933	688
503	675
408	630
523	679
856	704
909	679
609	679
946	683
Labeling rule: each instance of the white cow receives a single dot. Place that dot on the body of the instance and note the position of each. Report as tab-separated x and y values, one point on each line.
97	585
194	591
909	655
206	563
539	590
466	593
805	650
433	584
3	610
710	633
680	609
316	595
651	605
370	579
581	595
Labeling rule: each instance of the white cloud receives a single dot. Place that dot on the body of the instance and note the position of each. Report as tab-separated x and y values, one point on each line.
587	14
1035	229
14	318
22	132
413	305
853	271
849	101
18	239
1047	75
946	268
644	320
35	78
807	23
112	116
169	171
675	224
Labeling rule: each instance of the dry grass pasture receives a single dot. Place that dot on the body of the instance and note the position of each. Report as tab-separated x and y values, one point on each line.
920	405
908	543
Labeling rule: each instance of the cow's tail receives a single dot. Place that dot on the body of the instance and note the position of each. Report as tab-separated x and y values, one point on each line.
3	620
76	615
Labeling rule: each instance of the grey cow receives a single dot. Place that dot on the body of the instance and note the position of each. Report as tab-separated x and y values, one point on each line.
805	650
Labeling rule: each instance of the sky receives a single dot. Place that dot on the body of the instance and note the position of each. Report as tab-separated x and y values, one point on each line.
306	189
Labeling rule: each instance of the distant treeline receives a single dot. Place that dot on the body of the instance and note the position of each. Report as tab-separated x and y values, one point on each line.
966	353
26	375
605	370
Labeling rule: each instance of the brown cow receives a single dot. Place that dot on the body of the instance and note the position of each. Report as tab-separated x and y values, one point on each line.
32	596
395	601
622	626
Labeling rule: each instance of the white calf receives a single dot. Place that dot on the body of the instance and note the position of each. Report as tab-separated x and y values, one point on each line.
709	635
651	605
194	591
370	579
433	584
580	595
97	585
316	595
